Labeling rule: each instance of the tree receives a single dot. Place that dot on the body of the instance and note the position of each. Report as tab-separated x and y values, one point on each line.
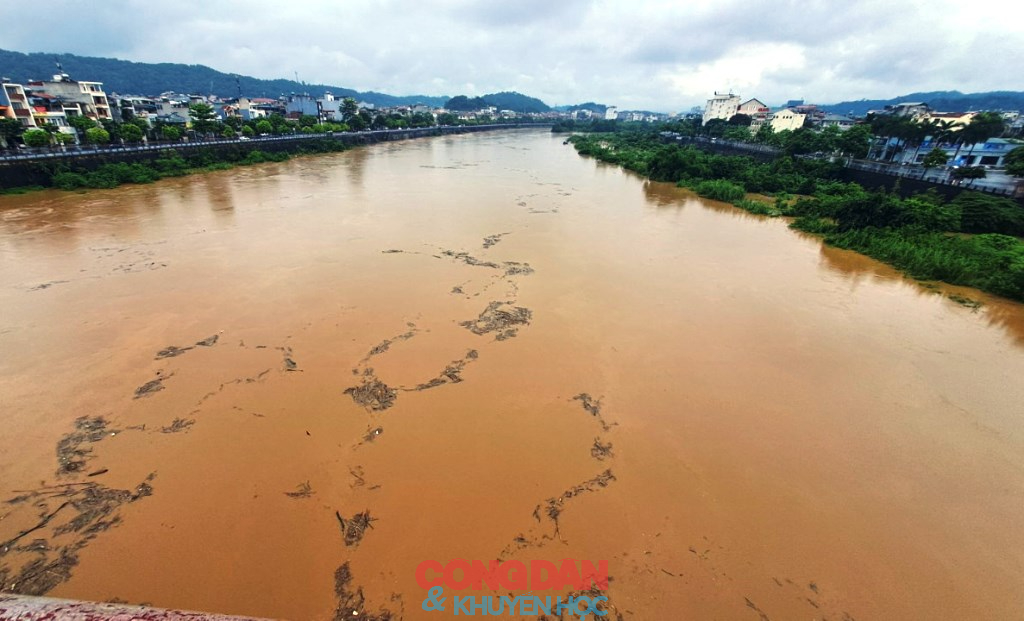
942	131
307	120
855	141
741	119
36	138
461	103
764	134
81	123
97	135
228	133
170	132
349	109
264	127
63	138
112	128
828	139
248	132
10	129
983	126
204	119
357	123
278	124
1015	162
738	133
131	133
970	173
715	127
935	158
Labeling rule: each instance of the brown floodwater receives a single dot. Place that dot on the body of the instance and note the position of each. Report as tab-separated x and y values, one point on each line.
796	431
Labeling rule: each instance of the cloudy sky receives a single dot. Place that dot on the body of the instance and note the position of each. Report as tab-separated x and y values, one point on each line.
636	54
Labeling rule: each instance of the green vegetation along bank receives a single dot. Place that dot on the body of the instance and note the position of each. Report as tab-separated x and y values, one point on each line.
147	167
972	240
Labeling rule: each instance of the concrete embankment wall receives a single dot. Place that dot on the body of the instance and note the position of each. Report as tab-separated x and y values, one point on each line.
907	186
721	147
30	172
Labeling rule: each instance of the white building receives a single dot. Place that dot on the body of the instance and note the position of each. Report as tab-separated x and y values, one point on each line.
611	113
89	95
14	104
787	119
722	106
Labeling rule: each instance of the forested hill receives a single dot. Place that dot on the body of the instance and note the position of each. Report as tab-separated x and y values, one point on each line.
132	78
505	100
941	101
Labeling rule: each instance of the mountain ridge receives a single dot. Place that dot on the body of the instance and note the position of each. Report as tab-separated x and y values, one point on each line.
940	101
148	79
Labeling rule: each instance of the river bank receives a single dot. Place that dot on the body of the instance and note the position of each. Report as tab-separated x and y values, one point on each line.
973	239
295	382
111	166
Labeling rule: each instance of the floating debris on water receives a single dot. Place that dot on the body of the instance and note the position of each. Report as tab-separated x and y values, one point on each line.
373	394
302	490
72	455
354	529
501	318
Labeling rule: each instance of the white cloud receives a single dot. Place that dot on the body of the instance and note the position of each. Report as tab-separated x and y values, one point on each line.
664	55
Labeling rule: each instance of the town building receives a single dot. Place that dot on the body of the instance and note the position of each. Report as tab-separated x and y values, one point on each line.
955	119
837	120
753	108
787	118
14	104
91	100
722	106
302	105
48	110
912	109
991	153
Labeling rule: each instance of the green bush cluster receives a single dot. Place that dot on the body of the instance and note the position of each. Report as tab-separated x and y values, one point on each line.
173	164
644	153
106	176
720	190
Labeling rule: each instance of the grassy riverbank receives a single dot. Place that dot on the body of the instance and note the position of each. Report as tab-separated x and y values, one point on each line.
973	240
170	163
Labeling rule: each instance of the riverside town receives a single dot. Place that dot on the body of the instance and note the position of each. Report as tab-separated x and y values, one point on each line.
593	310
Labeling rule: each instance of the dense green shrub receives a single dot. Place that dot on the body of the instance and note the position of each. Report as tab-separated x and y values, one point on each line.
68	180
720	190
981	213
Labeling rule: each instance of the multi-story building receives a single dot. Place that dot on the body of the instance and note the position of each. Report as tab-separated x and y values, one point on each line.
991	153
303	104
48	110
89	96
14	103
837	120
955	119
912	109
722	106
753	108
787	118
758	112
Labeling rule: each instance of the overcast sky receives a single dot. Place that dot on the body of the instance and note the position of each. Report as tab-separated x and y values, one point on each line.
636	54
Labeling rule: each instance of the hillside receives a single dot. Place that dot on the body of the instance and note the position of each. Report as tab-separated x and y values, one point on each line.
505	100
942	101
516	101
132	78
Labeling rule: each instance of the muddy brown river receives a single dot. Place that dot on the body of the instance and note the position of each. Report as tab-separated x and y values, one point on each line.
276	390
